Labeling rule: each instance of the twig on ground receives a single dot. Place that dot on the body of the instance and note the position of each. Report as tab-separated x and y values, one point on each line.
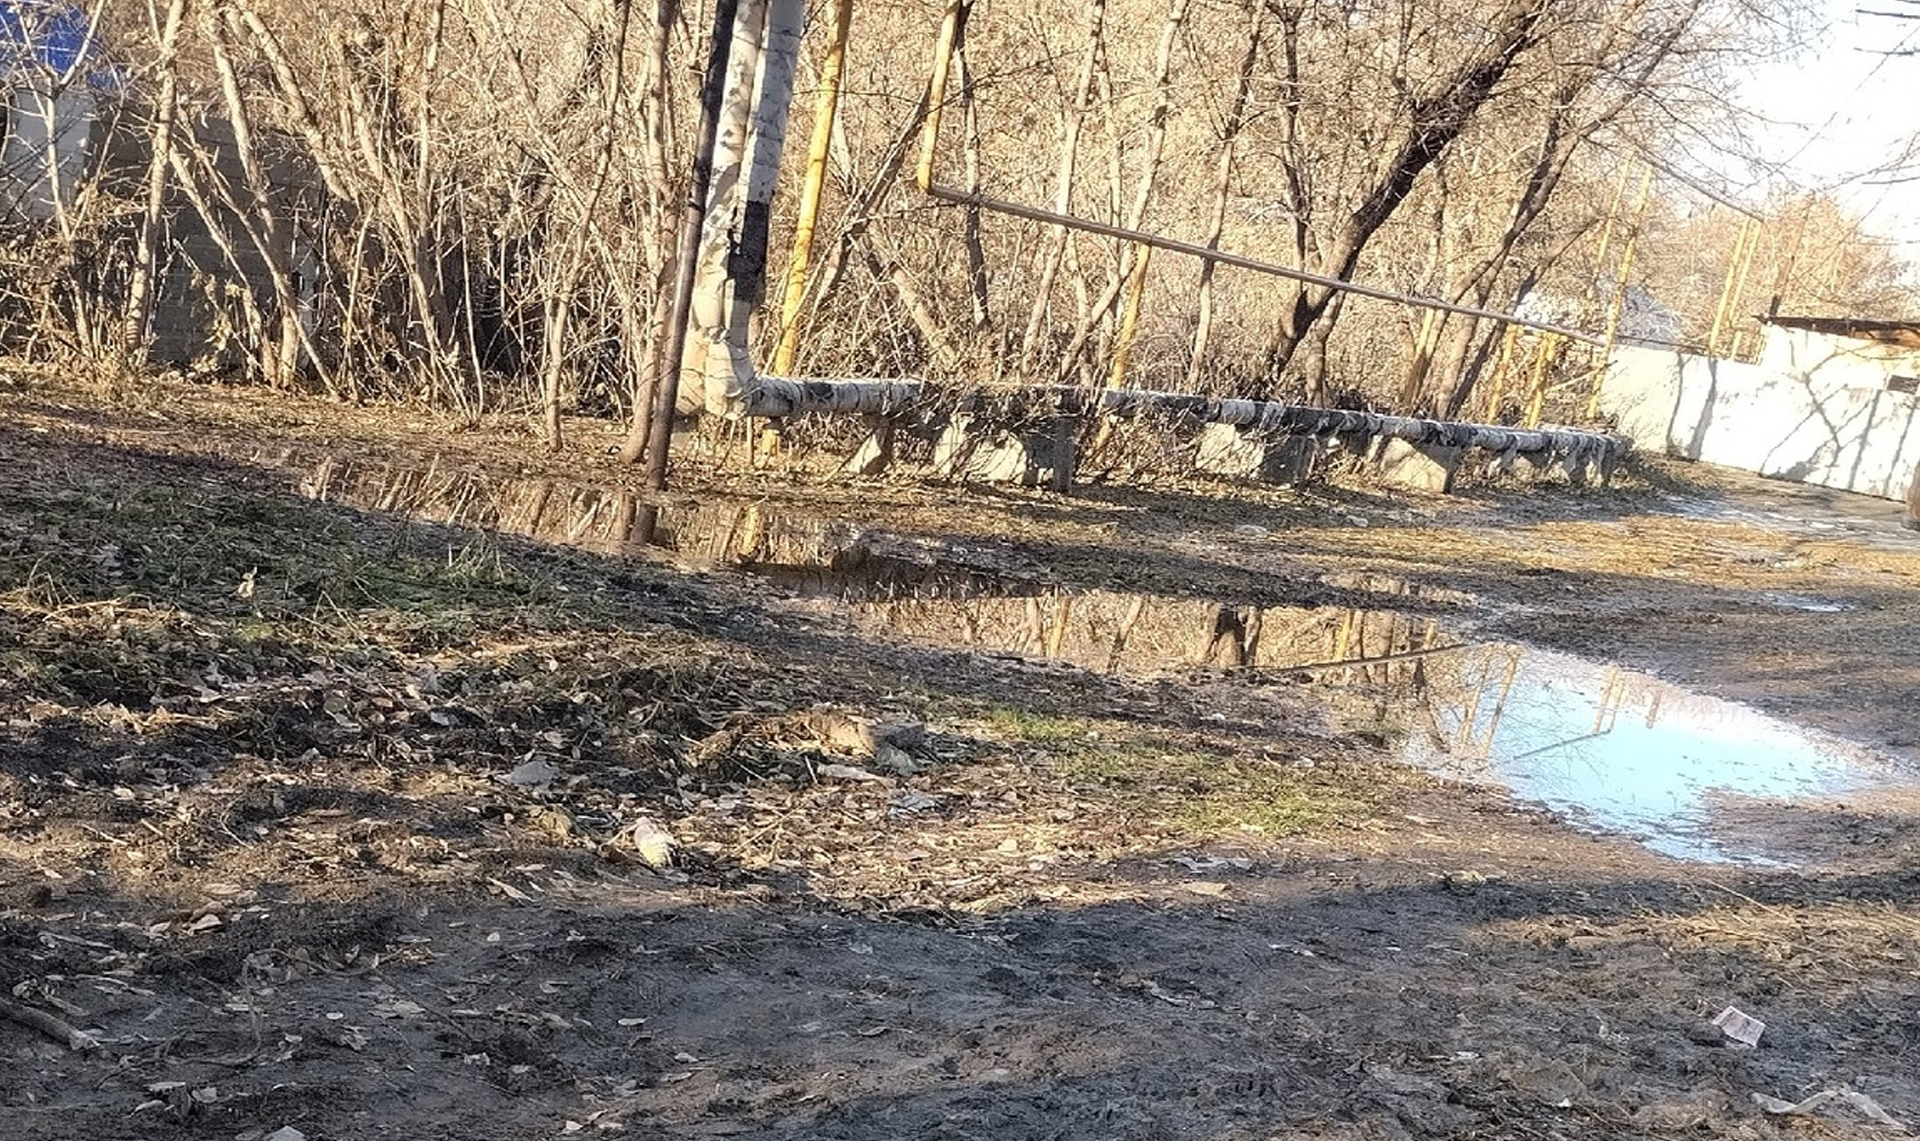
48	1025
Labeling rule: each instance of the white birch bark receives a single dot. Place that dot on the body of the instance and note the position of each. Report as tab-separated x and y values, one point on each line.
726	197
766	140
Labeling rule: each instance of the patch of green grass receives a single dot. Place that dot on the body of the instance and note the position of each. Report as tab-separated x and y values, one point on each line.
125	579
1209	793
1269	807
259	559
1035	728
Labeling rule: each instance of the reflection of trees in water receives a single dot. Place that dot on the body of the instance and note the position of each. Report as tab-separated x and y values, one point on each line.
1115	632
551	510
1464	700
943	594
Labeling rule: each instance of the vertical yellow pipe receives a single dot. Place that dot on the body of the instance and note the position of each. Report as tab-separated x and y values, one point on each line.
826	108
1619	294
1608	690
1423	345
1130	316
937	92
1726	289
1542	357
1606	231
1740	289
1496	388
1057	633
1343	637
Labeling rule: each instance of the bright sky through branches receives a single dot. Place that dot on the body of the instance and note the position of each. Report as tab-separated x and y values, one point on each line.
1845	118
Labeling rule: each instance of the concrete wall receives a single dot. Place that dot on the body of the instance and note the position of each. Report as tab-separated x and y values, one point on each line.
1834	361
195	306
28	182
1760	420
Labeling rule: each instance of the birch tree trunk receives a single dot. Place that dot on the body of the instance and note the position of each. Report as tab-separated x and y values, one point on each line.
766	142
1222	193
1076	117
140	288
728	369
707	352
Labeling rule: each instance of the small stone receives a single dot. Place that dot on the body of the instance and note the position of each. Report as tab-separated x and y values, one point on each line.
905	735
532	774
894	760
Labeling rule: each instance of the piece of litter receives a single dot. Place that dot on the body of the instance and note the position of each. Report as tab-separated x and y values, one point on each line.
1740	1026
654	843
848	772
1866	1106
285	1133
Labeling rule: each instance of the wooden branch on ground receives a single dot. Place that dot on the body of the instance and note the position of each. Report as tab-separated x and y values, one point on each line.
47	1024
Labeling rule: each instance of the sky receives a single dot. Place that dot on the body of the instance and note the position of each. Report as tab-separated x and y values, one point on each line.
1838	115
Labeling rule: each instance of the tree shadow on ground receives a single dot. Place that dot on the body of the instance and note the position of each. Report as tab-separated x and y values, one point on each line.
374	971
1315	999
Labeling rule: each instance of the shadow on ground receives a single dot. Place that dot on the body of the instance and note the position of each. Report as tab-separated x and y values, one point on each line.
266	826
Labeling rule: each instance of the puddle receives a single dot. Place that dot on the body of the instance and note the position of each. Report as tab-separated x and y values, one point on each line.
1803	512
1609	749
1623	752
1808	604
937	592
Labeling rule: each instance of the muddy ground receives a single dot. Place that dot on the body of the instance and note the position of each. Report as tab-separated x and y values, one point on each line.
334	816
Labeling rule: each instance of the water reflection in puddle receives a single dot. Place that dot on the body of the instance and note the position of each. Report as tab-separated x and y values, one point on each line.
1608	748
1621	751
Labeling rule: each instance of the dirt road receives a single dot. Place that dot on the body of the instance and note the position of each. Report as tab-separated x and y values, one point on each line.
334	817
